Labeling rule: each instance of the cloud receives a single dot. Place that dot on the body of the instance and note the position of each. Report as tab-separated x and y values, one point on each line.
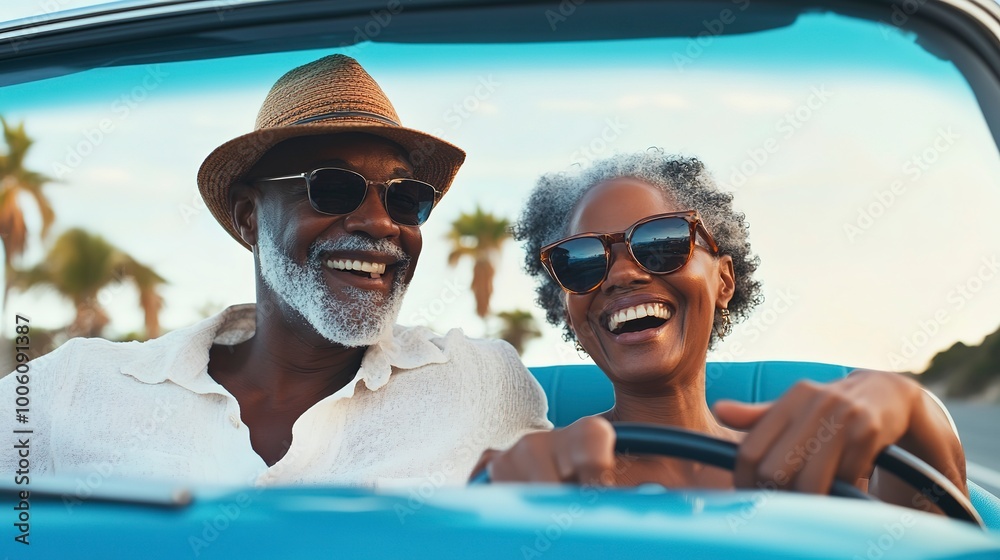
654	100
105	175
757	102
569	105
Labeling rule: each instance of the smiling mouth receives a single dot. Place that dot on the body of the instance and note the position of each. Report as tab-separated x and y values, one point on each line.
638	318
358	268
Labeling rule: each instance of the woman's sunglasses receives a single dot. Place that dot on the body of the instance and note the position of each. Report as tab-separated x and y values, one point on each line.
659	244
336	191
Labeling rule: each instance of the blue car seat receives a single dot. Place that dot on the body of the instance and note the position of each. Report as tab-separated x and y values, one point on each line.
581	390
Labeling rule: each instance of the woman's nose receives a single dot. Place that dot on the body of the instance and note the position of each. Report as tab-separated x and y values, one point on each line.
623	271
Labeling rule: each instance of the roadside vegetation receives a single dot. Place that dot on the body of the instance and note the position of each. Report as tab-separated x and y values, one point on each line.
966	371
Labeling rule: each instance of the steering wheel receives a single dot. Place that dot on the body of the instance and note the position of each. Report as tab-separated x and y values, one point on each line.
633	437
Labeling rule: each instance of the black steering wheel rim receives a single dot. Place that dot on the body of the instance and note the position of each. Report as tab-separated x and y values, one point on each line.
652	439
634	437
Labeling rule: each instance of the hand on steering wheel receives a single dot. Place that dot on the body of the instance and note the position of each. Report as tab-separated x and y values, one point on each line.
635	438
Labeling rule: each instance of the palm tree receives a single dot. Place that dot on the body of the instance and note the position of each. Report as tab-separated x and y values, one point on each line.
480	236
15	181
518	328
79	265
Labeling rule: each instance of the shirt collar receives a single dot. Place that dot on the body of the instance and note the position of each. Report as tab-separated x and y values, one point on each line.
181	356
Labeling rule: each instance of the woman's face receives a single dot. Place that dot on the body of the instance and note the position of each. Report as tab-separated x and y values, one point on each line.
690	295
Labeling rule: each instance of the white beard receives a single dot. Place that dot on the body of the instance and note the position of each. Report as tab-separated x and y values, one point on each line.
352	318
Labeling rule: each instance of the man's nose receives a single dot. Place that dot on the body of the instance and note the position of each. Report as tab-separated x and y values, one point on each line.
371	217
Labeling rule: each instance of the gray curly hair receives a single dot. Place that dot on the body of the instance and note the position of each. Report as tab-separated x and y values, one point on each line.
683	180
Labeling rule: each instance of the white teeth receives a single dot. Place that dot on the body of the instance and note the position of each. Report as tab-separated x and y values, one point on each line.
375	269
659	310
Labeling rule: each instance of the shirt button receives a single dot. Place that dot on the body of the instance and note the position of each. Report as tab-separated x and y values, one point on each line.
234	420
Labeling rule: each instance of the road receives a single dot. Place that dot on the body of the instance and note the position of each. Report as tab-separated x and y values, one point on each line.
979	427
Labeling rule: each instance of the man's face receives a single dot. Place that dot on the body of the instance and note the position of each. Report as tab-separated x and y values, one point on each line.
304	257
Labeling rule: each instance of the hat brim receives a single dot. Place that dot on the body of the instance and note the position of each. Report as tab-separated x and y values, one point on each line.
434	160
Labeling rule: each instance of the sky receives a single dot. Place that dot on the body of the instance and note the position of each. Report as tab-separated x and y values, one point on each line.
862	163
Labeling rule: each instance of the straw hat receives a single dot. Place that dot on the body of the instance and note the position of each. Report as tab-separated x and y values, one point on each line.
331	95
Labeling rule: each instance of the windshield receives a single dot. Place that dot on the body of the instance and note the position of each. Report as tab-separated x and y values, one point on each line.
862	162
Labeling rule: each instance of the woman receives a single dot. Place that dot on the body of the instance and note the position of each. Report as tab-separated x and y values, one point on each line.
648	310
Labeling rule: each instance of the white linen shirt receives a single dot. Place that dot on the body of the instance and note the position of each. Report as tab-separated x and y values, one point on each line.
421	407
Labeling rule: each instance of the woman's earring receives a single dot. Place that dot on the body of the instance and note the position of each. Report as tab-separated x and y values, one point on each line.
581	351
726	327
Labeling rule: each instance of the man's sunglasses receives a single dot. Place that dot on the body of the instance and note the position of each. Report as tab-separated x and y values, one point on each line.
659	244
336	191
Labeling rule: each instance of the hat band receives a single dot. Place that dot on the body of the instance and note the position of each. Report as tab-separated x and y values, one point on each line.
342	114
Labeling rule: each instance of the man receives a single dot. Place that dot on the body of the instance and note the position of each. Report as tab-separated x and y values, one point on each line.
314	383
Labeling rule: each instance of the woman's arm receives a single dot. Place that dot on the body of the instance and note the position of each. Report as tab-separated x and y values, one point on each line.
818	432
932	437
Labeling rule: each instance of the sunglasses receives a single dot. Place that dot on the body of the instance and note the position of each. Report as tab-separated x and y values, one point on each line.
659	244
336	191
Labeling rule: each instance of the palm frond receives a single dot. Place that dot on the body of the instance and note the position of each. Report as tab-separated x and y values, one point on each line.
15	181
78	266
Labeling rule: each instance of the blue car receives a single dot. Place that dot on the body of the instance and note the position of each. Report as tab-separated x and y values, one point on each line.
869	129
128	519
